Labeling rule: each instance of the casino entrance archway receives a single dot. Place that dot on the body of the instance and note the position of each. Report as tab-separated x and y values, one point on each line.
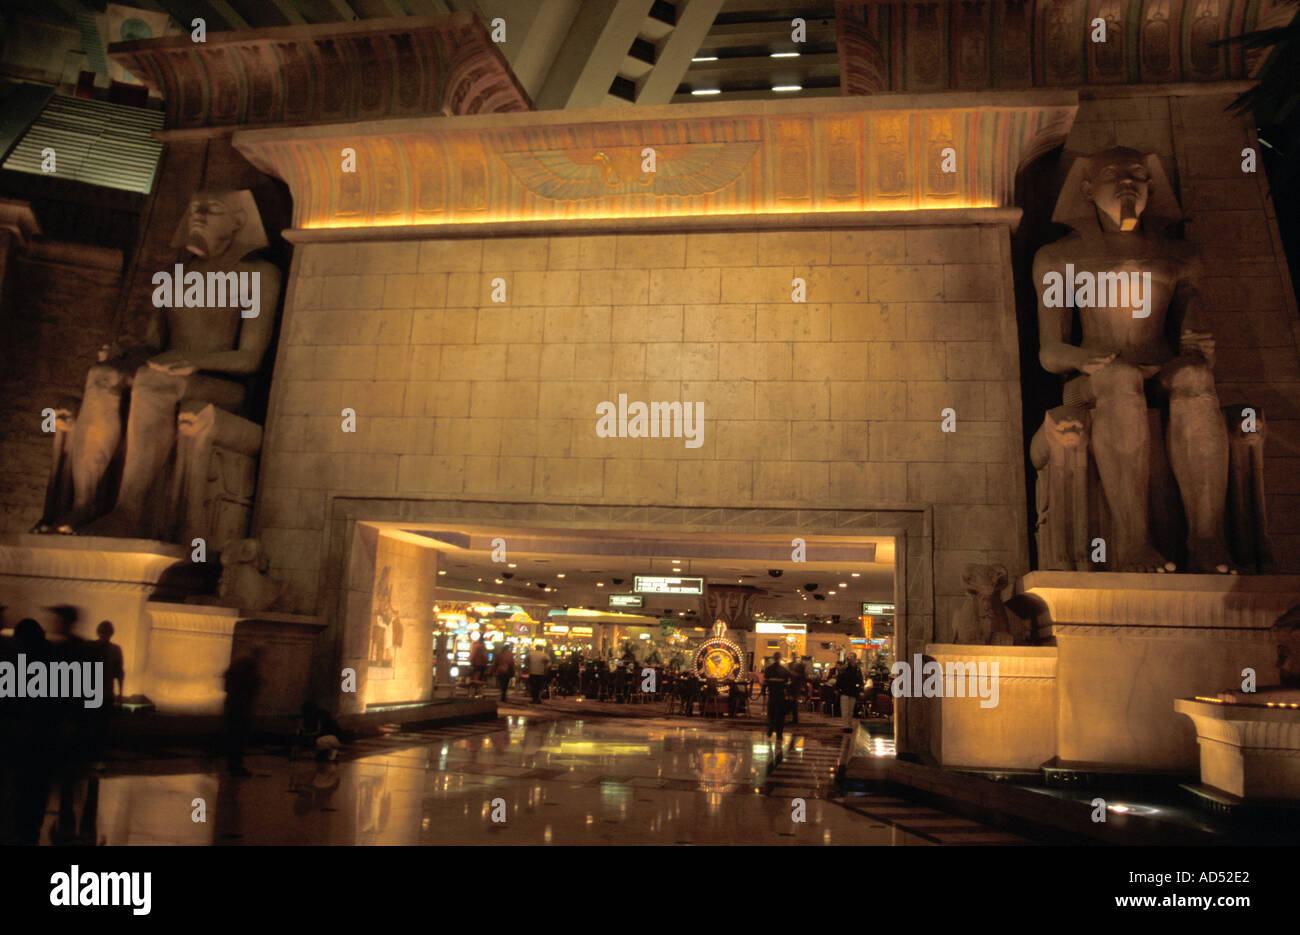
397	560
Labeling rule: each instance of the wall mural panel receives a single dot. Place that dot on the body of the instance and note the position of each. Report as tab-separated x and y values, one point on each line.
804	157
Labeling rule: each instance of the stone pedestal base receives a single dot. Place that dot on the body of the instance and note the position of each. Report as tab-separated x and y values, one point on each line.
1249	751
191	646
1131	644
108	579
1019	732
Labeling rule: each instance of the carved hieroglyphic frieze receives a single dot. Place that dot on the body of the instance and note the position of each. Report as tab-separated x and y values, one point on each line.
905	45
709	159
317	74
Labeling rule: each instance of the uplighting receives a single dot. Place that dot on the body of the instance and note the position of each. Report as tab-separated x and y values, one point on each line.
788	87
701	92
705	58
785	55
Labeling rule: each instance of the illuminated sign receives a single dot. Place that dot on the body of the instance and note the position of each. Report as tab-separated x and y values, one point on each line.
764	627
556	628
877	610
581	631
649	584
719	658
626	600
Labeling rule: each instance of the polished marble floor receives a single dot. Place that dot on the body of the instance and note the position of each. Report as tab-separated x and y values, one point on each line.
531	777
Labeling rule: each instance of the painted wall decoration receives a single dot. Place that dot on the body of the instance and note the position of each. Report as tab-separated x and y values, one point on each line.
387	631
327	72
980	44
813	156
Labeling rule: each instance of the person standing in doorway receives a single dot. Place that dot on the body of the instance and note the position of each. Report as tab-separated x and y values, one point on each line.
776	679
798	679
537	663
849	685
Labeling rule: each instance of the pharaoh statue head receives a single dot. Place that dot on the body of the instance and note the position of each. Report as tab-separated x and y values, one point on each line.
1114	189
221	224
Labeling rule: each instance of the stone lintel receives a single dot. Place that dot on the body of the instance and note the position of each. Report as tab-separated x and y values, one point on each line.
326	72
779	159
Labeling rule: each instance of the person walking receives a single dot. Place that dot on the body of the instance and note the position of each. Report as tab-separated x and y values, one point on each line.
798	679
776	679
849	685
504	666
478	664
537	663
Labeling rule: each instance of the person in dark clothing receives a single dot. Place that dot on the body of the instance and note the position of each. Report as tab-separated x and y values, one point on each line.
504	667
243	680
776	679
849	684
798	679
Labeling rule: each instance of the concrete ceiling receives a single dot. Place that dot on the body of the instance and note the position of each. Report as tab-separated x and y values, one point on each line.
566	53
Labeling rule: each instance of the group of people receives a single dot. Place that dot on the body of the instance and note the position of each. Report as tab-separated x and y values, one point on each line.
785	685
54	741
501	666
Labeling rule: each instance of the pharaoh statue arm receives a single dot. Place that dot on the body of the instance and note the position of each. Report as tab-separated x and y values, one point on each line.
254	339
1055	352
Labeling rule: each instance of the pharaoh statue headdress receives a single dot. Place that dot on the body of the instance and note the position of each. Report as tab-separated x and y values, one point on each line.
251	235
1077	212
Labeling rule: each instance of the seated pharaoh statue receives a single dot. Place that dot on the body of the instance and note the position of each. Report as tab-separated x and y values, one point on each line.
134	458
1134	291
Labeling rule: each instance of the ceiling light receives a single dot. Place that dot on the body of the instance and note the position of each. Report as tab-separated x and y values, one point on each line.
705	58
785	55
442	572
787	87
856	575
831	593
560	575
499	581
600	584
843	585
512	565
700	92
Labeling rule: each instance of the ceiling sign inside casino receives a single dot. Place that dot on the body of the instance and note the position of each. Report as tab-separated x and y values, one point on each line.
649	584
626	600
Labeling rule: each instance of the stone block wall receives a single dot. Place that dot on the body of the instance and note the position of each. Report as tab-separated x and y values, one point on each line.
835	402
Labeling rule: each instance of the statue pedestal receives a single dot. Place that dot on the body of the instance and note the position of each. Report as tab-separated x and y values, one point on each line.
1130	644
191	646
1251	751
108	579
1019	732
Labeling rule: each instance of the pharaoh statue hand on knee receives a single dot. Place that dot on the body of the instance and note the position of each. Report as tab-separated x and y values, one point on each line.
210	330
1134	292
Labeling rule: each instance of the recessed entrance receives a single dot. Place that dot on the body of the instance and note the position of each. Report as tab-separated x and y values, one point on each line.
413	579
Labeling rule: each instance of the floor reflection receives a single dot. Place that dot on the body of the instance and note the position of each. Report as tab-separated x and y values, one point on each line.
518	781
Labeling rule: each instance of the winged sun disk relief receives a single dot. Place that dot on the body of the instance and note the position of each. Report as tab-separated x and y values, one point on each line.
568	176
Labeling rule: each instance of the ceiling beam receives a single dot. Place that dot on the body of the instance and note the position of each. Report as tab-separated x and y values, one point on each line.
227	13
694	18
592	51
346	12
290	12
